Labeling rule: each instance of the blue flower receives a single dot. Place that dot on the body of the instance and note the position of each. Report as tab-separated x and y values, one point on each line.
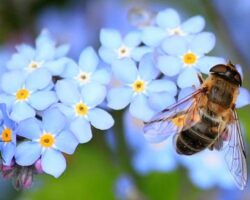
79	105
148	157
86	71
8	137
207	169
45	56
140	88
186	58
114	47
24	95
47	139
168	23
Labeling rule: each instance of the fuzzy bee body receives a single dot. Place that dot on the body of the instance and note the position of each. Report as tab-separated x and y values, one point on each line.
206	119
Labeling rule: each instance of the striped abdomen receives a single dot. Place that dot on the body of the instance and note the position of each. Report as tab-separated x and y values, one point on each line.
198	137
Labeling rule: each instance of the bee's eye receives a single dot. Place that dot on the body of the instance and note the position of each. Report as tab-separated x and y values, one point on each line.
237	77
219	69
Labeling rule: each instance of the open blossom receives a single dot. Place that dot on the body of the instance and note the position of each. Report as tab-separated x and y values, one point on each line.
46	140
187	58
114	47
80	107
145	94
168	23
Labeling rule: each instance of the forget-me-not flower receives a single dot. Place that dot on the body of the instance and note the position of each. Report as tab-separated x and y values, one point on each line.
45	56
168	23
8	136
186	58
115	47
24	95
87	71
47	140
79	105
140	89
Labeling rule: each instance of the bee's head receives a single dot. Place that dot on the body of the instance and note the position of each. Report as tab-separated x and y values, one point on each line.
227	72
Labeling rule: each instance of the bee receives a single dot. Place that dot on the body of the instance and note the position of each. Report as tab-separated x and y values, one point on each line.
206	119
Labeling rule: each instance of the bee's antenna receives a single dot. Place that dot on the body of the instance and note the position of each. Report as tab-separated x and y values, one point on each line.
229	63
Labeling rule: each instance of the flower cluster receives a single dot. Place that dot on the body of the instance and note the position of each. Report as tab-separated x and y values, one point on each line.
49	102
48	105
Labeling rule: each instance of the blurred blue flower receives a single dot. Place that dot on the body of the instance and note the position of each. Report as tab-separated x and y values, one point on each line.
140	88
86	71
24	95
148	157
114	47
168	23
45	56
8	137
47	139
208	169
186	58
79	105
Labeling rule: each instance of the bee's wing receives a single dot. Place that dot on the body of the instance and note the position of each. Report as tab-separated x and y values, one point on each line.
173	119
235	154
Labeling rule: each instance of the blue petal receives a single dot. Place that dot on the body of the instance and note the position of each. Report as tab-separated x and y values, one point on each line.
152	36
39	79
30	128
125	70
100	119
147	69
45	51
185	92
169	65
193	25
163	86
81	129
26	51
8	152
168	18
110	38
62	50
57	67
88	60
93	94
188	78
102	76
67	92
119	98
66	142
42	100
21	111
53	162
68	111
243	98
18	61
140	108
160	101
107	55
71	69
207	62
202	43
175	45
12	81
139	52
53	121
132	39
27	153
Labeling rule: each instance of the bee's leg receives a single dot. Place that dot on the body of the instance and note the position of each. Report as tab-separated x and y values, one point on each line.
200	78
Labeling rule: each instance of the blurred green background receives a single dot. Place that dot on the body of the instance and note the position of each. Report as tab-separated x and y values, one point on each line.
93	169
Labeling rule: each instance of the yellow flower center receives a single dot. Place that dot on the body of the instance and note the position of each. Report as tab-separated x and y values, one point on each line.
139	86
176	31
81	109
22	94
47	140
123	52
189	58
179	120
6	135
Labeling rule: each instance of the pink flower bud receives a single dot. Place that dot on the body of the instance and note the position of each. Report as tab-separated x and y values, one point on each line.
38	166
